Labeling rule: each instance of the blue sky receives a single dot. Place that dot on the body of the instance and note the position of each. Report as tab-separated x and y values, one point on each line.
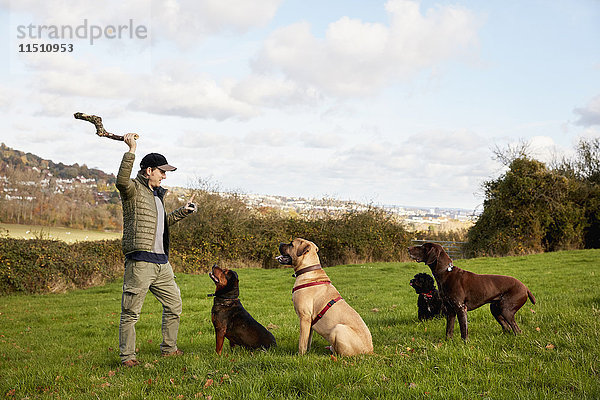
389	102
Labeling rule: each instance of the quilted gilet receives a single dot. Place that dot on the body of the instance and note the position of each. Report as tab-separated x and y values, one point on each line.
139	210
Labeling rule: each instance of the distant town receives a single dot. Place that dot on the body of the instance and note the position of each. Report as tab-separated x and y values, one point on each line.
417	218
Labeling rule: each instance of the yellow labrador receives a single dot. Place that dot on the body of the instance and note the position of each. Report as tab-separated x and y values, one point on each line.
320	306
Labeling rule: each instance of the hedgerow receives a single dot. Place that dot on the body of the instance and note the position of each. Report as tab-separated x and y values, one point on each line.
50	266
225	231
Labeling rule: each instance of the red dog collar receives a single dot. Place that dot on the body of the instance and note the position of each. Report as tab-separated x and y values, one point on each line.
307	269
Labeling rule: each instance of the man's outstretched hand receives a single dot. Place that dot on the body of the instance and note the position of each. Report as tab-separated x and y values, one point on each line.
190	205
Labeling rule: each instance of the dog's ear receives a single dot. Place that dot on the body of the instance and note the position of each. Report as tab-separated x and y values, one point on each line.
232	276
432	254
303	249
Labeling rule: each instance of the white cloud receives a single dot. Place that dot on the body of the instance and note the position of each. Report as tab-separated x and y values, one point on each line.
195	140
321	140
273	92
298	142
53	105
173	90
270	138
590	114
197	98
541	148
109	12
358	58
189	21
430	166
103	84
544	148
6	97
61	74
590	133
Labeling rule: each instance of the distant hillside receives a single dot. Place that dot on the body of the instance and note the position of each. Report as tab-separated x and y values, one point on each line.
41	192
11	158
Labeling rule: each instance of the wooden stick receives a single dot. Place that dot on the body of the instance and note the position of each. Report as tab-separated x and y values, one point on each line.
100	131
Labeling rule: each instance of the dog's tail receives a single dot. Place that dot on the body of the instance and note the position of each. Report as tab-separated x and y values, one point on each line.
530	295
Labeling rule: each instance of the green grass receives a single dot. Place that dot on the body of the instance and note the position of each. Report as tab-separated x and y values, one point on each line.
67	345
68	235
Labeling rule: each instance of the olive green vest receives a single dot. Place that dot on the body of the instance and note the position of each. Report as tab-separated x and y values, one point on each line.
139	210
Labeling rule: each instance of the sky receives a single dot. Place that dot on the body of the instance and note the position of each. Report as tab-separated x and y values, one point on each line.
394	102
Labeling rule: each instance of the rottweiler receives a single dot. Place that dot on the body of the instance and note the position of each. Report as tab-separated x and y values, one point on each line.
230	318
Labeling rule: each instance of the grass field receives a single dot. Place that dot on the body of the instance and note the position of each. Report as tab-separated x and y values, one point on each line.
57	233
67	345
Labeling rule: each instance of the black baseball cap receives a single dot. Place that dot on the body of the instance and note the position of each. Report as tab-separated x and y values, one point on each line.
155	160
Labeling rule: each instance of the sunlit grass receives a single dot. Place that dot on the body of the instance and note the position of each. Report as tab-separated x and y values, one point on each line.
68	235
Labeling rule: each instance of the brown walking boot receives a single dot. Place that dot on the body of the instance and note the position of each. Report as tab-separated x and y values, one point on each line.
130	363
173	353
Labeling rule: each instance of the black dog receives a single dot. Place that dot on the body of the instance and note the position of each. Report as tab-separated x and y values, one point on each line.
430	303
230	318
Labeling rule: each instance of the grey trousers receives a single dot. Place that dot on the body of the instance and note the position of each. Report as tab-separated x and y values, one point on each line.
139	277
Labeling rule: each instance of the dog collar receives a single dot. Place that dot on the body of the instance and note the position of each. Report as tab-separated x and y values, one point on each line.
218	296
428	295
310	284
307	269
450	267
223	301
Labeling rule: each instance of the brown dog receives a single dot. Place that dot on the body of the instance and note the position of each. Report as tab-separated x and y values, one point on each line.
464	291
230	318
320	306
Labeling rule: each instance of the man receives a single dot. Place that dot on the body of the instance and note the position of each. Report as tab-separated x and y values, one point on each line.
146	249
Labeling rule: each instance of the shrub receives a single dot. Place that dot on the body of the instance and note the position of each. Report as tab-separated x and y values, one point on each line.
354	237
529	209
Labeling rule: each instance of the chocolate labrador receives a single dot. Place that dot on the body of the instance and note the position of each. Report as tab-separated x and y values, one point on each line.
230	318
464	291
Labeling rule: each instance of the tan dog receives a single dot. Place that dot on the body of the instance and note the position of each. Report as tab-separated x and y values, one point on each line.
320	306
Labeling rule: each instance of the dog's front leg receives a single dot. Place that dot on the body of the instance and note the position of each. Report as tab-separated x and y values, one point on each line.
462	322
220	336
305	334
450	323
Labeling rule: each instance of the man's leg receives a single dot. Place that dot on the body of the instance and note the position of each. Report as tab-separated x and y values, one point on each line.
167	292
135	286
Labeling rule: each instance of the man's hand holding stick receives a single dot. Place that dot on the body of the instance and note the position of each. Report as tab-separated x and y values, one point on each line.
190	205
